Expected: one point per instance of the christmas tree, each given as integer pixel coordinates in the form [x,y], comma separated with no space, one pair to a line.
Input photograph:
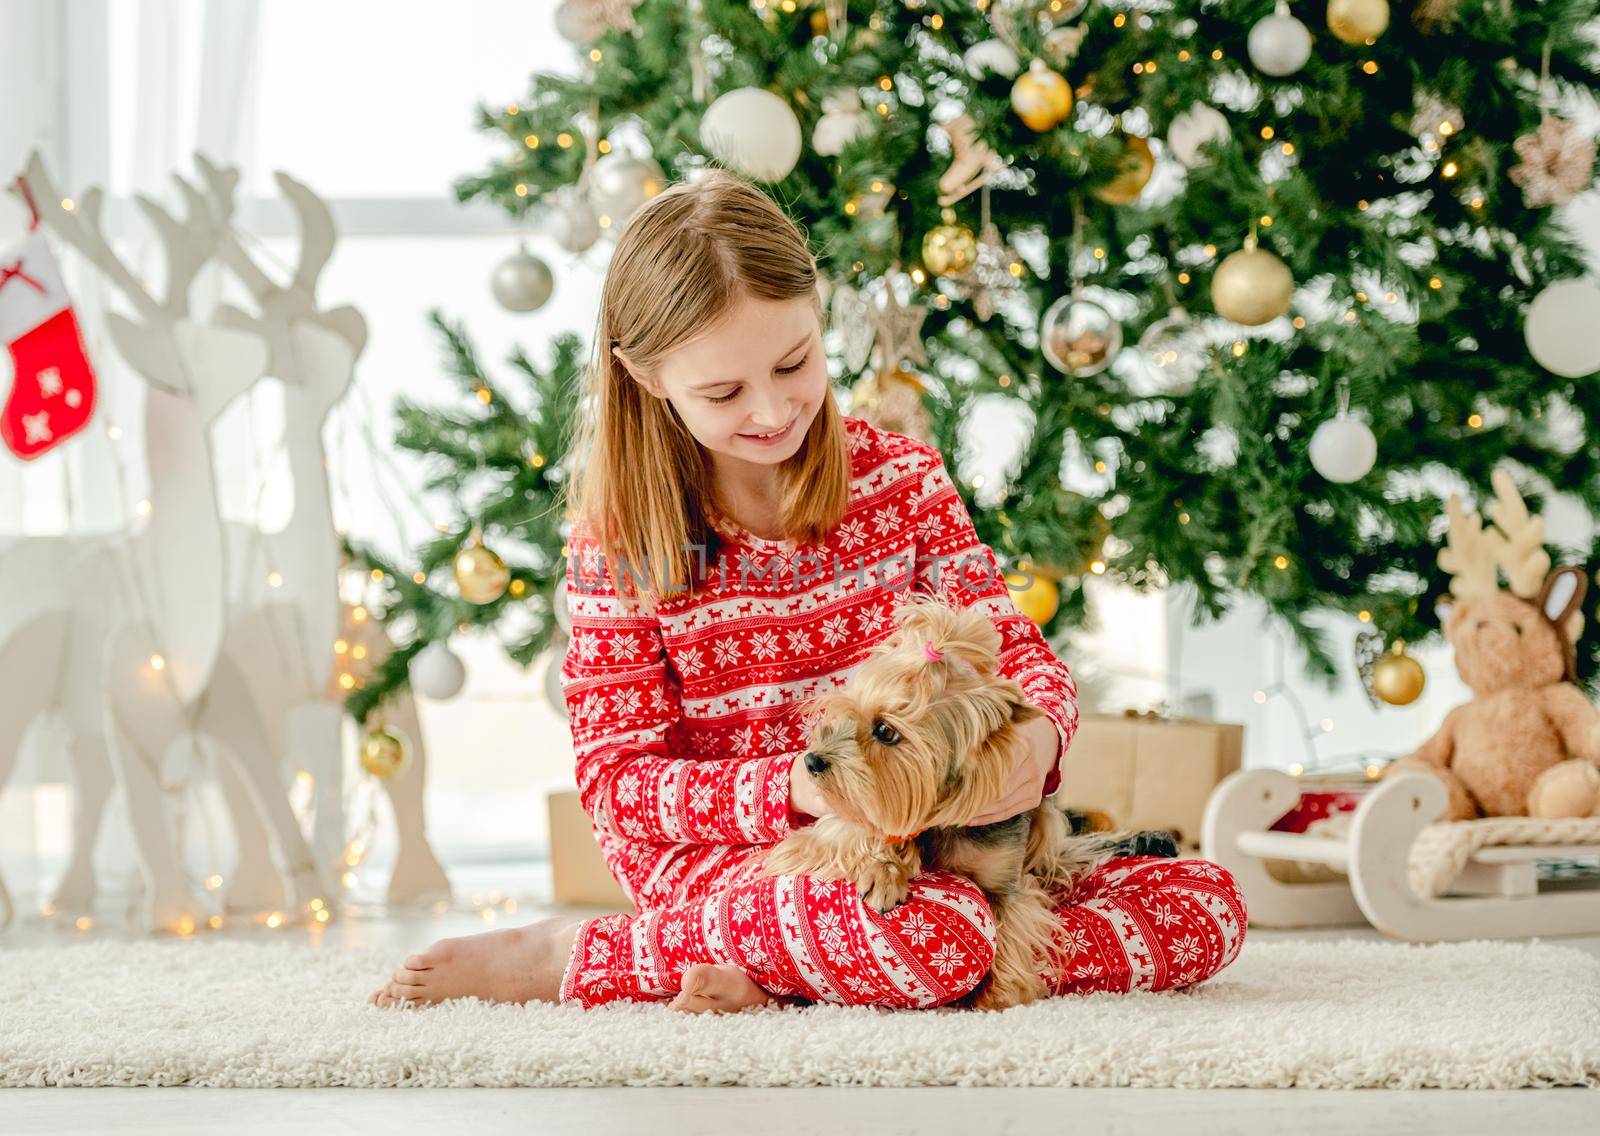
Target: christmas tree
[1265,283]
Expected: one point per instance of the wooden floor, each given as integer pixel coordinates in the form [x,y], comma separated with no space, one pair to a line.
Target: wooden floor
[767,1112]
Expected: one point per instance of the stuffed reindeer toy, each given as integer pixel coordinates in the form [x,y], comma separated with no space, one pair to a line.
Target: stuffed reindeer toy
[1528,742]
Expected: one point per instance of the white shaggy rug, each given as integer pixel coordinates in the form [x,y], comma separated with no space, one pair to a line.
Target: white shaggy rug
[1311,1014]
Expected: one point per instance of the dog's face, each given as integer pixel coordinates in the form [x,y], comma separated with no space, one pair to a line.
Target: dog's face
[913,742]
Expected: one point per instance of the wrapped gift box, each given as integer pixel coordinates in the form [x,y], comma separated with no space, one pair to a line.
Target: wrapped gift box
[1147,772]
[578,872]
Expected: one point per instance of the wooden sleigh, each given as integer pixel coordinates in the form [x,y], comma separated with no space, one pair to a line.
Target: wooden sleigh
[1496,895]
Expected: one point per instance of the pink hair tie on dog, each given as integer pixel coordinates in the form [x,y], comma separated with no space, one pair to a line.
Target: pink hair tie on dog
[933,655]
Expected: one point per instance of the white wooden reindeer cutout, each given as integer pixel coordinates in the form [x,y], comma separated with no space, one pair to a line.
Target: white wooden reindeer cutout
[135,621]
[285,586]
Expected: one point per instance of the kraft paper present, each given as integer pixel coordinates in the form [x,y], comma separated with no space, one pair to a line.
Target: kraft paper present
[1149,773]
[578,872]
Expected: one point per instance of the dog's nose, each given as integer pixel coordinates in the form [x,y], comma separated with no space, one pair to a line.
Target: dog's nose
[816,763]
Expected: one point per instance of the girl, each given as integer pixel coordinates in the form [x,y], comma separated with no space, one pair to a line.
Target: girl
[738,547]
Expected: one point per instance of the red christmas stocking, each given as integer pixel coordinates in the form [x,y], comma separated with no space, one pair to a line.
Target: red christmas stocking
[52,385]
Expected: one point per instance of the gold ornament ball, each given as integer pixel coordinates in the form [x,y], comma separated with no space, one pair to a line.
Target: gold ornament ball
[1036,596]
[1252,287]
[384,752]
[1134,168]
[819,22]
[1358,21]
[480,574]
[1041,97]
[1397,678]
[949,250]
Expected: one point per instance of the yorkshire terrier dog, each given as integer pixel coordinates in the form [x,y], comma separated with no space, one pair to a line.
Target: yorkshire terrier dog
[923,737]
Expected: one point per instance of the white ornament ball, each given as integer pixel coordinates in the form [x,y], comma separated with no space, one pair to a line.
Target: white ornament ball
[753,131]
[991,57]
[620,183]
[580,23]
[1279,44]
[842,122]
[558,601]
[437,671]
[1343,449]
[1563,328]
[522,282]
[571,220]
[1194,128]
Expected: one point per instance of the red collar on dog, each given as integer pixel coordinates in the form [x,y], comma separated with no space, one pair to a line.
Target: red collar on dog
[903,839]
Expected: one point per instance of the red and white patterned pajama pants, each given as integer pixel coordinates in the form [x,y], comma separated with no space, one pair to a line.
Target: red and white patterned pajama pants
[1134,923]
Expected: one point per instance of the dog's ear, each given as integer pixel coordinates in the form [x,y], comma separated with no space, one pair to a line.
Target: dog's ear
[956,632]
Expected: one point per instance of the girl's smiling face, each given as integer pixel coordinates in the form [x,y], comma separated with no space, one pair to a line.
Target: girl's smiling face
[761,371]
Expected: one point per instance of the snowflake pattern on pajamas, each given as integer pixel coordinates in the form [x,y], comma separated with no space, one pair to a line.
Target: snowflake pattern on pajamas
[686,722]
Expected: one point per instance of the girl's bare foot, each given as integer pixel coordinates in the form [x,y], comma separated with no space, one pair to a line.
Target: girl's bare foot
[521,964]
[720,990]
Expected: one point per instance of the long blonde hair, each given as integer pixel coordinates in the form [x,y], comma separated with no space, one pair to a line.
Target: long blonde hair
[642,483]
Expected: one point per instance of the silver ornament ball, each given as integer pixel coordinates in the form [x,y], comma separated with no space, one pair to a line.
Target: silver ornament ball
[1078,336]
[437,672]
[1343,449]
[570,220]
[522,282]
[619,184]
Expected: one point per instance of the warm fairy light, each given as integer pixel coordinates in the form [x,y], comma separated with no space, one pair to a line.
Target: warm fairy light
[977,482]
[1138,68]
[1447,128]
[1327,725]
[485,395]
[1450,169]
[850,207]
[1364,616]
[1390,296]
[522,190]
[604,220]
[1183,57]
[322,916]
[1217,54]
[1004,380]
[274,579]
[359,614]
[1099,254]
[883,109]
[1183,278]
[213,883]
[1476,203]
[1238,348]
[1183,518]
[1287,148]
[157,663]
[68,204]
[1363,205]
[317,905]
[377,573]
[604,145]
[347,681]
[512,108]
[340,646]
[304,779]
[348,879]
[1435,283]
[1015,268]
[564,140]
[1374,770]
[275,919]
[536,460]
[517,587]
[419,577]
[84,923]
[113,432]
[1361,297]
[1299,322]
[1349,317]
[214,922]
[359,652]
[1267,132]
[1098,567]
[1099,467]
[1211,250]
[1119,20]
[1474,420]
[1260,696]
[1280,562]
[1370,67]
[186,925]
[531,141]
[143,508]
[1266,220]
[918,275]
[594,55]
[936,21]
[1296,769]
[885,82]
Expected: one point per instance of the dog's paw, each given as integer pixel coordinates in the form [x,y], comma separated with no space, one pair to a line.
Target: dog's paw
[884,894]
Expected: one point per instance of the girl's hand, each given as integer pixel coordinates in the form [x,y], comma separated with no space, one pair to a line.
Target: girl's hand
[804,796]
[1035,759]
